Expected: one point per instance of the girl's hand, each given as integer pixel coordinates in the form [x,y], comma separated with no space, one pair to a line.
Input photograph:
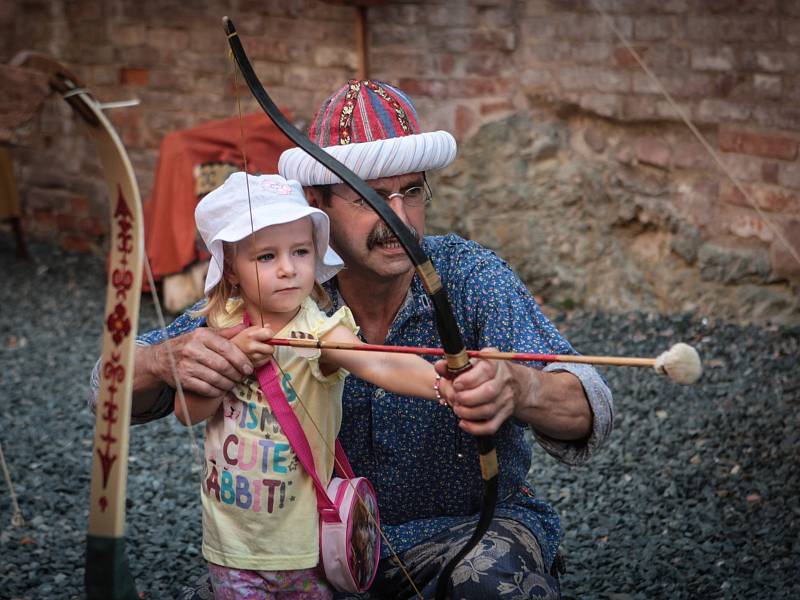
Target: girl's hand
[252,341]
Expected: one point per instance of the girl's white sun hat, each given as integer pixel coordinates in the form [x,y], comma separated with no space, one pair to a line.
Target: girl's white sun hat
[225,215]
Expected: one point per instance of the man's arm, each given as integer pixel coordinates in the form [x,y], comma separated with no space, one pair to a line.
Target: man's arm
[568,406]
[207,364]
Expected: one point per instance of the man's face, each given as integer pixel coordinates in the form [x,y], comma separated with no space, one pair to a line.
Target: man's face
[359,235]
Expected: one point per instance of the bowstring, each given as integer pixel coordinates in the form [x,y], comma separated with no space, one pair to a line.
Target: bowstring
[247,185]
[173,366]
[349,481]
[326,444]
[17,519]
[696,132]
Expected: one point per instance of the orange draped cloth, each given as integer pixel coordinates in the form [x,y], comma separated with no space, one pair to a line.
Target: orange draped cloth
[169,211]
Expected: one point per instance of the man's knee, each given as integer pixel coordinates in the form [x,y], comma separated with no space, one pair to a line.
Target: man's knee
[470,581]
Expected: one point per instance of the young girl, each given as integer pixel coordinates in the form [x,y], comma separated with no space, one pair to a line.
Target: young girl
[269,254]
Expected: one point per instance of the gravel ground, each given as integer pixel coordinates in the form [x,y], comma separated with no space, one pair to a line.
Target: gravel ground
[695,496]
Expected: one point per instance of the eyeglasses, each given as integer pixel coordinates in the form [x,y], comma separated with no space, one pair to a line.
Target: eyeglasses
[413,197]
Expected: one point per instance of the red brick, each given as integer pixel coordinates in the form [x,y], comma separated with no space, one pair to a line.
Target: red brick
[447,64]
[790,28]
[624,58]
[784,259]
[789,175]
[465,121]
[453,15]
[680,86]
[745,28]
[169,40]
[590,27]
[744,167]
[605,105]
[748,225]
[80,205]
[767,85]
[714,58]
[769,172]
[134,76]
[589,78]
[73,243]
[488,65]
[93,227]
[758,144]
[767,197]
[268,48]
[130,34]
[495,18]
[501,106]
[777,61]
[67,222]
[538,80]
[433,88]
[651,28]
[653,151]
[44,217]
[477,87]
[775,115]
[638,107]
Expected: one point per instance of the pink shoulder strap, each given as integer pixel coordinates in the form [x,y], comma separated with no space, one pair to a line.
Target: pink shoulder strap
[270,385]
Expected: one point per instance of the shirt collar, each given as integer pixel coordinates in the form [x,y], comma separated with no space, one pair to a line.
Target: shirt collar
[415,304]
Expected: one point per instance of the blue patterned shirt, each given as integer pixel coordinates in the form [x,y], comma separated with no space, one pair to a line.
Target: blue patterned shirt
[425,470]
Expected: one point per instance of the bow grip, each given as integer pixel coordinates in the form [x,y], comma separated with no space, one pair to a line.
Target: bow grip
[486,443]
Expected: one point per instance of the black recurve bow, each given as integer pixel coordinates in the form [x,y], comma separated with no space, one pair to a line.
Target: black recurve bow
[446,325]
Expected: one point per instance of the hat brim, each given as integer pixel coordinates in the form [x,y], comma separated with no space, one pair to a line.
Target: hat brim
[375,159]
[328,263]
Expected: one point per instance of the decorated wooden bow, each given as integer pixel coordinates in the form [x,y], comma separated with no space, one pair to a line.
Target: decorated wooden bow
[457,359]
[107,575]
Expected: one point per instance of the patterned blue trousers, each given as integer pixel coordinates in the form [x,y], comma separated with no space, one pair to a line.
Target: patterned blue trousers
[506,564]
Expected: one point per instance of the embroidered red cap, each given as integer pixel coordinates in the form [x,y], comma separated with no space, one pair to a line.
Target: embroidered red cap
[371,127]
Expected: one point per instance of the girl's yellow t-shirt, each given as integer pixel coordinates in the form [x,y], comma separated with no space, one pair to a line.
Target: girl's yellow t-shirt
[259,504]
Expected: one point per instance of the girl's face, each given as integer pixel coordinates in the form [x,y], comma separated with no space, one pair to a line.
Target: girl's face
[285,258]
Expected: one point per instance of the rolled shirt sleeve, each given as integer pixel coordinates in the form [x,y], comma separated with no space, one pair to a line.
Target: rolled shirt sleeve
[499,311]
[601,403]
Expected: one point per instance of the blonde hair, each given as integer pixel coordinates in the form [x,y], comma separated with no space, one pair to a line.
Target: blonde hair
[218,304]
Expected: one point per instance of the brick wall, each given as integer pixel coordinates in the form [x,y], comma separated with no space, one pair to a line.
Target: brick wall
[479,68]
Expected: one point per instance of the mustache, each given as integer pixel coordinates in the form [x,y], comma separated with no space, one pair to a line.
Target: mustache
[381,234]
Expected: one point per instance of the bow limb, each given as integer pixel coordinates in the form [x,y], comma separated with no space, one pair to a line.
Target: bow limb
[107,572]
[107,575]
[449,333]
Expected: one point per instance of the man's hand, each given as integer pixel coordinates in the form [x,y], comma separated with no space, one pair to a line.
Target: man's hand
[252,340]
[483,397]
[492,391]
[208,363]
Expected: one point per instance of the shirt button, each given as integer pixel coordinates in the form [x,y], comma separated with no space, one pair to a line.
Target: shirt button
[379,393]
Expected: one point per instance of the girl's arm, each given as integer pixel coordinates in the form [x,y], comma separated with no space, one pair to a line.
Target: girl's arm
[403,374]
[199,407]
[251,342]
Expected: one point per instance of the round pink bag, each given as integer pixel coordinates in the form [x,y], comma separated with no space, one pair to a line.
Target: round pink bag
[349,540]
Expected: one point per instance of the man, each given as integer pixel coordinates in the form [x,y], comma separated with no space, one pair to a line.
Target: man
[421,457]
